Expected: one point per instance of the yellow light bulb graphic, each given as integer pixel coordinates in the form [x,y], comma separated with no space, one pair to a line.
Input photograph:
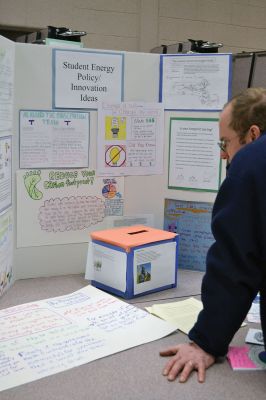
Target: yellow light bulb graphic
[115,155]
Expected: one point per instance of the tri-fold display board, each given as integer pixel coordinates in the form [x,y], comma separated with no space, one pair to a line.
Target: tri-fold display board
[91,143]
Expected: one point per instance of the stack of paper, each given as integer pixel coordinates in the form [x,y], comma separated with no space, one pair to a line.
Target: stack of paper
[182,314]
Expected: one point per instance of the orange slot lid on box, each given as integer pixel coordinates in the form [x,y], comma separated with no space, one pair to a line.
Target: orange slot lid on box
[132,236]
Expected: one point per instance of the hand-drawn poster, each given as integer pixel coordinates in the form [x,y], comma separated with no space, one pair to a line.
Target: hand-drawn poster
[53,139]
[6,251]
[192,220]
[195,81]
[82,78]
[45,337]
[63,206]
[194,156]
[5,172]
[130,139]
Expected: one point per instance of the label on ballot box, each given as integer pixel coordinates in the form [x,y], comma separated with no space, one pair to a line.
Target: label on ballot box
[132,261]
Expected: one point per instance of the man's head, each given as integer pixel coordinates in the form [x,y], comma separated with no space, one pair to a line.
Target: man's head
[242,121]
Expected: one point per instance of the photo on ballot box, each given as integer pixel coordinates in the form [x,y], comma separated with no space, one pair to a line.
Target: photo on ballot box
[143,272]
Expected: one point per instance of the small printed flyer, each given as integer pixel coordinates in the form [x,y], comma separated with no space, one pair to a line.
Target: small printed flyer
[130,140]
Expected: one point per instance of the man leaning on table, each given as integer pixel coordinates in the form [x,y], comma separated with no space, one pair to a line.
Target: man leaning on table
[236,262]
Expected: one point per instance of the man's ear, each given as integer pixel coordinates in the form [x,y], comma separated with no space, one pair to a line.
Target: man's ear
[254,132]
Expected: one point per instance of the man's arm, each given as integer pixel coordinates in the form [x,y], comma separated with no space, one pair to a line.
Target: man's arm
[233,272]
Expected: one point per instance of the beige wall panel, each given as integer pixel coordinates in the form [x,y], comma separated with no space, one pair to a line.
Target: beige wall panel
[61,14]
[110,42]
[101,22]
[191,30]
[186,9]
[44,13]
[214,11]
[149,30]
[256,38]
[173,29]
[12,12]
[259,3]
[249,16]
[229,34]
[131,6]
[180,30]
[234,49]
[242,2]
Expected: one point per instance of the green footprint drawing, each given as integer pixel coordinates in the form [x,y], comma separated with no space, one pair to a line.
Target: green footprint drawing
[31,179]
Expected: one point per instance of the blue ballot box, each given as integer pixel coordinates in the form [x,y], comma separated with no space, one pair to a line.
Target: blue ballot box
[133,261]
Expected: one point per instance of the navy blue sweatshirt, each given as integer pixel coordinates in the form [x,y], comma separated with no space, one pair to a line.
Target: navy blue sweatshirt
[236,262]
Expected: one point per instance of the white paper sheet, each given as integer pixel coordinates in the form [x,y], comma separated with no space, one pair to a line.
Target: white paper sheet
[49,336]
[254,312]
[107,266]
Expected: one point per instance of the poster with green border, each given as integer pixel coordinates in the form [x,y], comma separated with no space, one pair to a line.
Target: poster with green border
[194,157]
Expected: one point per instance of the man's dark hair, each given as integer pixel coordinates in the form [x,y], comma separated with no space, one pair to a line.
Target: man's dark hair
[248,108]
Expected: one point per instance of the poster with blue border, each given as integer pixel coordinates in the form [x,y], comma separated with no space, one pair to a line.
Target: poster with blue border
[195,82]
[54,139]
[192,220]
[81,79]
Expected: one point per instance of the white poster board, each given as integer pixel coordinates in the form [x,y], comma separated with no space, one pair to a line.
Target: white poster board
[46,337]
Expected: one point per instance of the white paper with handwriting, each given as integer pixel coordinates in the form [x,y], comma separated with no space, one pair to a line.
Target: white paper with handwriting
[49,336]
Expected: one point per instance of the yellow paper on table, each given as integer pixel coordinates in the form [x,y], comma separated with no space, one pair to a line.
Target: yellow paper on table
[182,314]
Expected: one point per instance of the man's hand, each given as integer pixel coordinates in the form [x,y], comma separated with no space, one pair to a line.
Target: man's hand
[187,357]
